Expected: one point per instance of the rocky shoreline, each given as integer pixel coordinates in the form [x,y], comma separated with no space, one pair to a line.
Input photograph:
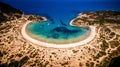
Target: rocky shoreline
[15,51]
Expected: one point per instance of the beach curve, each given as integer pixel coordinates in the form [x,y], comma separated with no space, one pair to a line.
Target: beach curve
[35,41]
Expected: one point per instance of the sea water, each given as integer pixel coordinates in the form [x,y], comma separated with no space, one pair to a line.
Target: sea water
[59,14]
[62,10]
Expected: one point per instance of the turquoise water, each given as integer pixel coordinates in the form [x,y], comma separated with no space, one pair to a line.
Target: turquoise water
[54,31]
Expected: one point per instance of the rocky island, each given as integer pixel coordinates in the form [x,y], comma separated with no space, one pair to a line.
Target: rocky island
[15,51]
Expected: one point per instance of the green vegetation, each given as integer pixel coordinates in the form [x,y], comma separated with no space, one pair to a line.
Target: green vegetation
[118,48]
[34,17]
[53,53]
[115,53]
[80,64]
[19,55]
[23,60]
[33,54]
[75,51]
[107,30]
[104,45]
[84,19]
[2,17]
[105,62]
[90,64]
[14,63]
[1,54]
[113,21]
[65,63]
[100,54]
[101,20]
[114,44]
[108,16]
[101,17]
[112,34]
[11,57]
[46,63]
[108,59]
[75,20]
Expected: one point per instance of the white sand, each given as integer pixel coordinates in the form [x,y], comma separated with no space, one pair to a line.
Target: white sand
[88,39]
[71,22]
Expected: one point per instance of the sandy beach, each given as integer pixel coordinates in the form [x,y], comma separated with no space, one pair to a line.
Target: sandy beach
[71,22]
[35,41]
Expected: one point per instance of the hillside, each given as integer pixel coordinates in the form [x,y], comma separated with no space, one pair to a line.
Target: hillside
[99,17]
[8,13]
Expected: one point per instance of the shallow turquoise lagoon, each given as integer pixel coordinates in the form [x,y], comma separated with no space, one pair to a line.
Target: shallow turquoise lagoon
[48,30]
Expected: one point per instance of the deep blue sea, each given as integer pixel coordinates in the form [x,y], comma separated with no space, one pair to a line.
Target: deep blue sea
[62,10]
[59,13]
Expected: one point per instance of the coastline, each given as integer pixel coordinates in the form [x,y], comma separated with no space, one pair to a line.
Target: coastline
[88,39]
[16,51]
[71,22]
